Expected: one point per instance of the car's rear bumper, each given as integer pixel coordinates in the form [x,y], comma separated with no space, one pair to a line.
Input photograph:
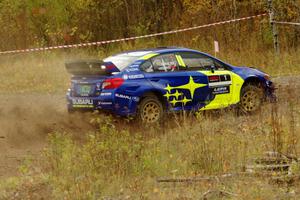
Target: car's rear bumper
[89,103]
[107,101]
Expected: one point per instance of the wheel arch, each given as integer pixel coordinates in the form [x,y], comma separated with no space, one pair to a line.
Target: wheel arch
[155,93]
[253,80]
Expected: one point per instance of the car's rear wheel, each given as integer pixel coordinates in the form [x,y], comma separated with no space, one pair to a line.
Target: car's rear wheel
[251,98]
[150,110]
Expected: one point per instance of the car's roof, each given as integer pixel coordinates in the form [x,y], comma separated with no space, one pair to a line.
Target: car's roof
[161,50]
[158,50]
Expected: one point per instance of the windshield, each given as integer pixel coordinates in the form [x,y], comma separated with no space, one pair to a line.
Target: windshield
[121,61]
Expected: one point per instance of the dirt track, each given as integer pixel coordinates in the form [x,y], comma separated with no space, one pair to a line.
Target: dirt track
[26,120]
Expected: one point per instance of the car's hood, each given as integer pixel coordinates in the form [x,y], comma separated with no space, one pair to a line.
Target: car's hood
[244,71]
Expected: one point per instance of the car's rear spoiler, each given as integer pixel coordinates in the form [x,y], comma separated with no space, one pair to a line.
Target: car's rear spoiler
[90,67]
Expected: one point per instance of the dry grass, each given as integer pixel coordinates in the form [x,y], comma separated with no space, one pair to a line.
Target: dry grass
[123,163]
[44,72]
[121,160]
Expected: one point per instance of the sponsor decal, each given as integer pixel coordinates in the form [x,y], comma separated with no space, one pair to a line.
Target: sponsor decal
[105,94]
[123,96]
[225,77]
[221,90]
[81,82]
[101,103]
[136,76]
[132,69]
[83,106]
[82,101]
[213,79]
[219,84]
[219,80]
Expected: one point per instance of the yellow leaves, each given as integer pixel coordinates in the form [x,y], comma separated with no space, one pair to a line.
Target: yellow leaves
[196,5]
[155,190]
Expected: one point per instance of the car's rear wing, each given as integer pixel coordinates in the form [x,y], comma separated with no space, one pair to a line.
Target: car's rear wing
[90,67]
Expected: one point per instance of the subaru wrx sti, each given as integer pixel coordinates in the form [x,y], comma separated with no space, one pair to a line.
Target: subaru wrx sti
[148,84]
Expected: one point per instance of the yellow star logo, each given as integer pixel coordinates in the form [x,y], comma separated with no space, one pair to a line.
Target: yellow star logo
[169,88]
[167,95]
[191,86]
[174,101]
[177,94]
[185,101]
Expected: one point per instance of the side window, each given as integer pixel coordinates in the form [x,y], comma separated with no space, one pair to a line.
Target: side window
[147,66]
[195,61]
[163,63]
[220,66]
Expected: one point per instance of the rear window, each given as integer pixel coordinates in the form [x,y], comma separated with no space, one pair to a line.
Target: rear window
[121,61]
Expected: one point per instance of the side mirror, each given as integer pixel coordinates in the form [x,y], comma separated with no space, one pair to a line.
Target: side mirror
[213,69]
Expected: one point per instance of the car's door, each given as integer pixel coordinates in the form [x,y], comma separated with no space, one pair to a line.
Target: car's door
[204,69]
[170,78]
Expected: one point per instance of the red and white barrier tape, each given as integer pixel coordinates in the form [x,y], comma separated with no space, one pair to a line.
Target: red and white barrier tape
[129,38]
[287,23]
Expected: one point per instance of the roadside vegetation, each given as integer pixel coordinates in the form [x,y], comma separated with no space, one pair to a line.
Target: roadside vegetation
[120,159]
[34,24]
[45,72]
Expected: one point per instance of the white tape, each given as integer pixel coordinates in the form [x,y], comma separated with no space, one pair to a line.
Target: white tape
[130,38]
[287,23]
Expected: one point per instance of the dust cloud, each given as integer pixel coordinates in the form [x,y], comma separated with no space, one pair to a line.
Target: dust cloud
[27,120]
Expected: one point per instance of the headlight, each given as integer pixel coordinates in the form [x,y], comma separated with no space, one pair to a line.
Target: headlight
[267,77]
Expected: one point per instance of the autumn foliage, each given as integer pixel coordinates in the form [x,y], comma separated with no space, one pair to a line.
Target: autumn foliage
[35,23]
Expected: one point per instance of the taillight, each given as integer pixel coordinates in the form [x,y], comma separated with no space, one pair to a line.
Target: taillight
[112,83]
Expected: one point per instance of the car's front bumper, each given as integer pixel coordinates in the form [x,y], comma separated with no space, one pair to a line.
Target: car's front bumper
[270,91]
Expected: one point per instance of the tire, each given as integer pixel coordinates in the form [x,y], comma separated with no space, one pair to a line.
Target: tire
[150,110]
[251,99]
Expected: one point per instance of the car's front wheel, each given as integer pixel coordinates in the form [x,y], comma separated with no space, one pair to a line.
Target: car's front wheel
[150,110]
[251,98]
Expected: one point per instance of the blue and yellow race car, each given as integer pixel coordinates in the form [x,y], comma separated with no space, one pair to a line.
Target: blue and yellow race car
[149,83]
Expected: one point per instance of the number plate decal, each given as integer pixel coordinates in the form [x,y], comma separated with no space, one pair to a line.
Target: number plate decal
[85,90]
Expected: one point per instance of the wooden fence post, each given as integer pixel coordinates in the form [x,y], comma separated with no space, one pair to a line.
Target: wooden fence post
[273,26]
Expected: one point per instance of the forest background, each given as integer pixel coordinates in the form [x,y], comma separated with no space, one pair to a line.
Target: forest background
[34,23]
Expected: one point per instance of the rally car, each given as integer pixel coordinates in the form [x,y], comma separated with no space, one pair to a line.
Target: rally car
[148,84]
